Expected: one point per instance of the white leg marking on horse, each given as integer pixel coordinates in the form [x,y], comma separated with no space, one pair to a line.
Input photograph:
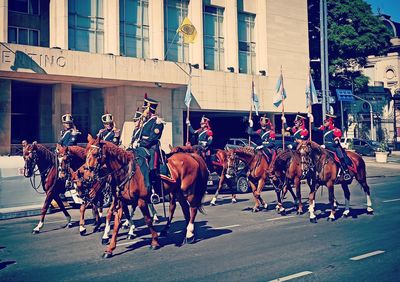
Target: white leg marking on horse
[125,224]
[234,201]
[213,201]
[367,255]
[39,226]
[293,276]
[81,228]
[332,215]
[189,230]
[265,205]
[369,202]
[106,230]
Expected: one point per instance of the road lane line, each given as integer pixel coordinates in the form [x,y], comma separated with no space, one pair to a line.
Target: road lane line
[293,276]
[393,200]
[129,243]
[367,255]
[280,218]
[228,226]
[56,221]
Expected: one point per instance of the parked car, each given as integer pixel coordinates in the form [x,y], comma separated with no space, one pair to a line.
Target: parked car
[238,142]
[364,147]
[279,141]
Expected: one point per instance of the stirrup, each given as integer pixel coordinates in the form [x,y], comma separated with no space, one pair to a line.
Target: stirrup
[346,176]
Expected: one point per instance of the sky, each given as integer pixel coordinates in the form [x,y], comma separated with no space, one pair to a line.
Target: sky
[388,7]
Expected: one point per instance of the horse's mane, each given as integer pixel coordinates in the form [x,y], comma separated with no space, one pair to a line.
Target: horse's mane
[78,151]
[244,151]
[117,152]
[48,155]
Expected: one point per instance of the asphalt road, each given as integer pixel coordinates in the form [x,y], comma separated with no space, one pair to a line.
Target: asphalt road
[232,244]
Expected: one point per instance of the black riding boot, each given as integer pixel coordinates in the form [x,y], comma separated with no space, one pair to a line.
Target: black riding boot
[346,173]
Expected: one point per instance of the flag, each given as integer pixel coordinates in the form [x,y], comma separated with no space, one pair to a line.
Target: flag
[280,94]
[188,96]
[254,98]
[188,30]
[311,93]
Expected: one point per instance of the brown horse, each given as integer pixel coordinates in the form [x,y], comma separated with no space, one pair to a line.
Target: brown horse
[70,159]
[218,167]
[129,180]
[257,174]
[326,170]
[290,167]
[38,155]
[187,184]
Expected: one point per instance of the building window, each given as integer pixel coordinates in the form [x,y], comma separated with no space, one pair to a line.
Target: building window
[174,13]
[247,44]
[86,25]
[213,38]
[134,28]
[24,6]
[24,36]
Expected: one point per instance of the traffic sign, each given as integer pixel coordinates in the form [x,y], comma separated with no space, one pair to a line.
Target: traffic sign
[344,95]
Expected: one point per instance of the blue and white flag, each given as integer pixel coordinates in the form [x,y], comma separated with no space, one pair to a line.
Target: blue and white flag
[188,96]
[254,98]
[311,93]
[280,94]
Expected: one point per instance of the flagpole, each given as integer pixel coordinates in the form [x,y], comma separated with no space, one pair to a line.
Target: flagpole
[283,115]
[188,106]
[251,105]
[309,104]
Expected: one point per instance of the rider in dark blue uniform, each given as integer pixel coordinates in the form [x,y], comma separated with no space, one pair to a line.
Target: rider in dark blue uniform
[267,135]
[204,133]
[69,134]
[109,132]
[137,119]
[332,136]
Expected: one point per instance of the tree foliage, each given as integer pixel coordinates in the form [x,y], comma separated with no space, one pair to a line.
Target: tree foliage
[354,33]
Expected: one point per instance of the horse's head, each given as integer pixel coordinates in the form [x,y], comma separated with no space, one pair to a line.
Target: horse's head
[94,159]
[64,159]
[231,163]
[304,148]
[30,157]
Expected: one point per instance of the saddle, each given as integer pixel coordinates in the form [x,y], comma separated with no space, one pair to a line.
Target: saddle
[273,154]
[216,161]
[349,163]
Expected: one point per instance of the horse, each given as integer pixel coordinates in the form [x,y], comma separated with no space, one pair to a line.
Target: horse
[326,173]
[257,174]
[38,155]
[187,184]
[290,167]
[130,186]
[219,167]
[70,159]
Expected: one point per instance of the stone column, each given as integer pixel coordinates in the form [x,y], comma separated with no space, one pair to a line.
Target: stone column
[5,116]
[111,27]
[59,24]
[196,17]
[156,29]
[231,44]
[114,103]
[260,30]
[3,20]
[62,104]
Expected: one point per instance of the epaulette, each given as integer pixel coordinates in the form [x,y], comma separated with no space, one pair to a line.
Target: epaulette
[160,121]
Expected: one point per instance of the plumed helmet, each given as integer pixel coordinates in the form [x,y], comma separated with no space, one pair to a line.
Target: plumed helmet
[330,118]
[107,118]
[299,119]
[150,104]
[265,120]
[67,118]
[205,120]
[138,115]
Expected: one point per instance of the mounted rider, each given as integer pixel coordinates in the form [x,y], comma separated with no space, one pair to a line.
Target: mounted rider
[204,134]
[298,131]
[267,135]
[332,136]
[69,133]
[109,132]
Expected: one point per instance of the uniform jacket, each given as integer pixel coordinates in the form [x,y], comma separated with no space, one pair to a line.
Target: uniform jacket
[68,137]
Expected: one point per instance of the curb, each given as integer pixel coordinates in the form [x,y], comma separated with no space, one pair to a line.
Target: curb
[24,211]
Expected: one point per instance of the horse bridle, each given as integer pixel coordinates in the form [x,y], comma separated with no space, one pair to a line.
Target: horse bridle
[95,169]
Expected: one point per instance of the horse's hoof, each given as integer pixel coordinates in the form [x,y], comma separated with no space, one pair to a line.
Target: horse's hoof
[164,233]
[190,240]
[346,213]
[35,231]
[154,247]
[370,210]
[106,255]
[283,213]
[330,219]
[68,225]
[96,229]
[104,241]
[130,236]
[83,232]
[234,201]
[313,220]
[254,210]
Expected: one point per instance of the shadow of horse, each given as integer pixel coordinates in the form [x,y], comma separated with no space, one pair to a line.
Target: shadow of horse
[325,211]
[4,264]
[176,235]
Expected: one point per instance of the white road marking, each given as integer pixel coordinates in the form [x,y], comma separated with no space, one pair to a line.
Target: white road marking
[393,200]
[228,226]
[293,276]
[367,255]
[56,221]
[280,218]
[129,243]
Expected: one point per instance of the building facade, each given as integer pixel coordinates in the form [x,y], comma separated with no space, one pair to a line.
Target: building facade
[94,56]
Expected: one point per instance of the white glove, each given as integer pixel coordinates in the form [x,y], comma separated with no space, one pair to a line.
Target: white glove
[259,147]
[311,117]
[323,146]
[188,122]
[135,144]
[290,146]
[283,119]
[251,123]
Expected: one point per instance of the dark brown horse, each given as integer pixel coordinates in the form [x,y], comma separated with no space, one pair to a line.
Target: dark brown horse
[290,168]
[130,186]
[38,155]
[257,174]
[218,165]
[187,184]
[70,159]
[326,169]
